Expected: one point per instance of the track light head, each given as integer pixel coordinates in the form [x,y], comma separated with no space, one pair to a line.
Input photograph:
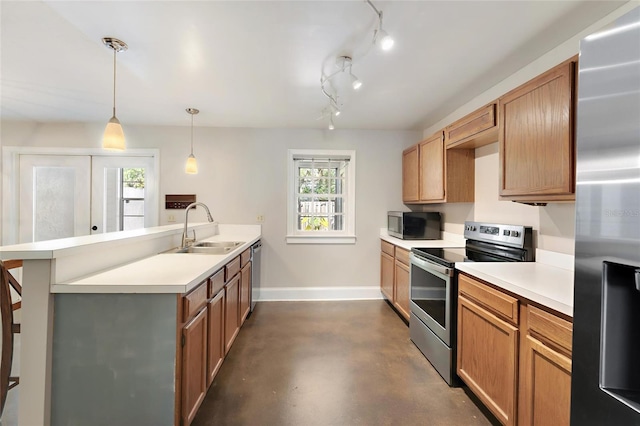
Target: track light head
[384,40]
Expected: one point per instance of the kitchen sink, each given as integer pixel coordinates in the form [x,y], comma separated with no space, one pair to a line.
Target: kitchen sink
[217,244]
[208,247]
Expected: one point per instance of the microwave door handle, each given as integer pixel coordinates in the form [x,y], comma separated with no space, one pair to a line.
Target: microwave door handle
[431,266]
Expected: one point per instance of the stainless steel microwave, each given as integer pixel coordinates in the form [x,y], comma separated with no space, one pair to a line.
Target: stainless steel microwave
[414,225]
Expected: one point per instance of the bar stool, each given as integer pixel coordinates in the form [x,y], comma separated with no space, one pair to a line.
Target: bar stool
[9,328]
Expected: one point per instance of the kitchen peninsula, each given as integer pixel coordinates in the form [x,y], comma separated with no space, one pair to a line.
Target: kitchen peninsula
[101,320]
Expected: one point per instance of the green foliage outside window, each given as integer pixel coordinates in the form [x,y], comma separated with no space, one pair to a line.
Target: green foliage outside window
[133,178]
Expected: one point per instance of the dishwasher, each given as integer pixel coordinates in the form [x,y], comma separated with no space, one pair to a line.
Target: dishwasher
[256,248]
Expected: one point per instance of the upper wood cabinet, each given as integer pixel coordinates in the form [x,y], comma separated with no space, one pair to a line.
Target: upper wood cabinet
[474,130]
[431,181]
[432,175]
[410,175]
[536,136]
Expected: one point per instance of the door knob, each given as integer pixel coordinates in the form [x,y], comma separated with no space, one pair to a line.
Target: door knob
[94,228]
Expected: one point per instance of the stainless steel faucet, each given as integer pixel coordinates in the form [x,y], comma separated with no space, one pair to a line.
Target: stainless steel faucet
[186,221]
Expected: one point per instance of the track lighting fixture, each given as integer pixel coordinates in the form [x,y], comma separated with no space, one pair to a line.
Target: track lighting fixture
[191,167]
[331,126]
[344,64]
[380,36]
[113,138]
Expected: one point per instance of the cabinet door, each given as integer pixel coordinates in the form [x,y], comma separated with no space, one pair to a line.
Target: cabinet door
[537,138]
[231,316]
[487,358]
[474,130]
[410,175]
[386,276]
[215,341]
[245,292]
[548,396]
[432,168]
[401,291]
[194,365]
[545,369]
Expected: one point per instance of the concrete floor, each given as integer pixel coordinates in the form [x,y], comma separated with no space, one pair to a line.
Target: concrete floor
[331,363]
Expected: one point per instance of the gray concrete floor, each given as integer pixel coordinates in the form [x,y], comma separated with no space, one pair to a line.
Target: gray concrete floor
[331,363]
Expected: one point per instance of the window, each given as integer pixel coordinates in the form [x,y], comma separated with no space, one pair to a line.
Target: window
[321,205]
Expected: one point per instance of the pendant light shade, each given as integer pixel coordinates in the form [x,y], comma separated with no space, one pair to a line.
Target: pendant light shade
[191,167]
[113,138]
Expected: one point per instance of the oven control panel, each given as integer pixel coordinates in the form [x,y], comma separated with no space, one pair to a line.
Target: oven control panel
[510,235]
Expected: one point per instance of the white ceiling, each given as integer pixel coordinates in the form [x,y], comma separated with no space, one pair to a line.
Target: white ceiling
[258,64]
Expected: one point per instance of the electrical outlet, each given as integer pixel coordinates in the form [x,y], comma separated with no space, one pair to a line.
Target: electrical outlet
[260,218]
[171,218]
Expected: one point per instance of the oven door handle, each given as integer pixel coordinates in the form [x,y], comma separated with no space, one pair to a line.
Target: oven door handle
[430,266]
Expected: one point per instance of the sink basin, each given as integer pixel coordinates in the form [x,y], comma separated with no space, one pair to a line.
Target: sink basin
[202,250]
[225,244]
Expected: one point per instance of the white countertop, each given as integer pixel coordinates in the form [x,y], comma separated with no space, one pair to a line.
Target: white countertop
[162,273]
[448,241]
[548,285]
[52,249]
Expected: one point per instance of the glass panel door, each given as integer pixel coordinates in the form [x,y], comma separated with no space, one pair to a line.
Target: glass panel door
[54,197]
[123,194]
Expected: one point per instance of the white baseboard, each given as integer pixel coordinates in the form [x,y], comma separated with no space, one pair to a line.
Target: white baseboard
[272,294]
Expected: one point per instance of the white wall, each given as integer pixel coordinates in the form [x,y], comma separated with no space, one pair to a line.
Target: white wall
[554,224]
[243,173]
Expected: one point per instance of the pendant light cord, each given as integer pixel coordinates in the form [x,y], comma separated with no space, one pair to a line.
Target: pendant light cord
[191,134]
[114,81]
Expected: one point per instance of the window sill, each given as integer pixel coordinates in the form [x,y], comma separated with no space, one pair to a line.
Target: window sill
[321,239]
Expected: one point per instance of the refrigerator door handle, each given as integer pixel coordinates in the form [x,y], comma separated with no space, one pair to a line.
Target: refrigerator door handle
[637,273]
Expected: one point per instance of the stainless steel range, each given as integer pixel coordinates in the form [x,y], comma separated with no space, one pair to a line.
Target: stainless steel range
[434,286]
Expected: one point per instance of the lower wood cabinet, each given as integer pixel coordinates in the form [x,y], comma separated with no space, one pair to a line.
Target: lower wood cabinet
[232,311]
[387,271]
[209,319]
[487,358]
[394,276]
[216,344]
[516,357]
[401,290]
[545,370]
[194,365]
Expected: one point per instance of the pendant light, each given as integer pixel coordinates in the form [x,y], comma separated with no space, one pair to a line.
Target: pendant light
[113,138]
[191,167]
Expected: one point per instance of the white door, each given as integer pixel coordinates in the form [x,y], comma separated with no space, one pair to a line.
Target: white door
[55,196]
[122,193]
[63,196]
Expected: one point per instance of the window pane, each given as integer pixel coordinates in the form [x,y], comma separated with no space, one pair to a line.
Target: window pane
[305,186]
[313,223]
[132,223]
[133,207]
[53,202]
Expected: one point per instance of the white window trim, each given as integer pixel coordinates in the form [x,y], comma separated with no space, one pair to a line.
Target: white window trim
[348,235]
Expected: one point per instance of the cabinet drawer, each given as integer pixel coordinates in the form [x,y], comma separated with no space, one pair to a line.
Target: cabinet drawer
[474,130]
[194,301]
[216,283]
[402,255]
[506,307]
[387,248]
[245,257]
[232,268]
[547,327]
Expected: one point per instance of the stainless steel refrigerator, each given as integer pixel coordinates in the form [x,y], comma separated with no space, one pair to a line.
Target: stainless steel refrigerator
[606,336]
